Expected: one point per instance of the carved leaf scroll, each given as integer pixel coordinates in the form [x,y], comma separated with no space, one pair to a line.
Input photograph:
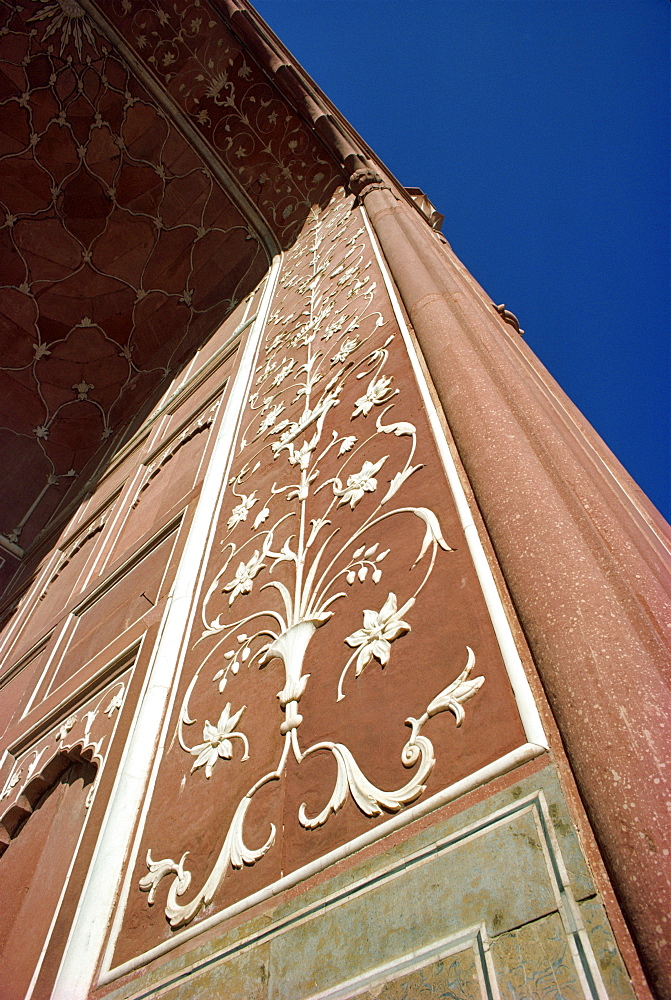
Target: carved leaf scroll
[292,551]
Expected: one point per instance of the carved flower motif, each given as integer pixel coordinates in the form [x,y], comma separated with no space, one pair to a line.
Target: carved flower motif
[269,368]
[116,702]
[270,417]
[333,328]
[65,727]
[242,582]
[217,741]
[240,512]
[360,483]
[378,391]
[284,371]
[82,389]
[380,628]
[346,349]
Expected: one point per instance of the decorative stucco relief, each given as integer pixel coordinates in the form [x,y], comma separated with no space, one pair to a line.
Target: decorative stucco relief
[323,535]
[83,733]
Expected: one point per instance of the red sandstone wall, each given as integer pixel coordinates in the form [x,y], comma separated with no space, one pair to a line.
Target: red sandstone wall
[338,538]
[75,653]
[339,575]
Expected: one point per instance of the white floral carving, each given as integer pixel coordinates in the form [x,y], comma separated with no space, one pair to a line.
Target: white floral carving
[347,348]
[360,483]
[295,529]
[217,741]
[116,702]
[378,391]
[452,698]
[243,580]
[270,418]
[240,512]
[284,371]
[65,727]
[380,628]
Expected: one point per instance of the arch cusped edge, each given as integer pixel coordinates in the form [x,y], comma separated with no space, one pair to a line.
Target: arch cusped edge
[14,817]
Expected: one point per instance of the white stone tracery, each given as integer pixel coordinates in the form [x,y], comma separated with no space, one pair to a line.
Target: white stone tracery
[292,524]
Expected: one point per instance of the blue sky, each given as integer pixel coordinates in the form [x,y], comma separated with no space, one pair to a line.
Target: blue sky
[541,130]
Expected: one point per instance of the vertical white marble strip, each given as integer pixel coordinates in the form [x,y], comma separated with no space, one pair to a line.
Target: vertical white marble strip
[96,904]
[127,675]
[526,704]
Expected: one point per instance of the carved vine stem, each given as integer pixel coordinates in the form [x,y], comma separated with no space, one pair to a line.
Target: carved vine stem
[318,561]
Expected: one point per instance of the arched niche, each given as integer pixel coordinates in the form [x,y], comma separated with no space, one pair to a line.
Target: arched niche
[39,837]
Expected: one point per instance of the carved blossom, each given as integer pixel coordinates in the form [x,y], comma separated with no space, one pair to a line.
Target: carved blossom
[358,484]
[242,582]
[217,741]
[380,628]
[270,418]
[378,391]
[240,512]
[345,350]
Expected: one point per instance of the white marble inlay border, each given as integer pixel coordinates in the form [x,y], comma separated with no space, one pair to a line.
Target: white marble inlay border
[143,750]
[473,938]
[526,704]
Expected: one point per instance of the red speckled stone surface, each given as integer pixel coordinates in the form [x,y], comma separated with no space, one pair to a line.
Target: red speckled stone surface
[586,556]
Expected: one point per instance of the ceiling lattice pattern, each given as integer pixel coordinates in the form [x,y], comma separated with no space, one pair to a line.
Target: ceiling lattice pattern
[120,253]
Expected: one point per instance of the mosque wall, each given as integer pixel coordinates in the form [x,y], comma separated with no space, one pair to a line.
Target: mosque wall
[272,717]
